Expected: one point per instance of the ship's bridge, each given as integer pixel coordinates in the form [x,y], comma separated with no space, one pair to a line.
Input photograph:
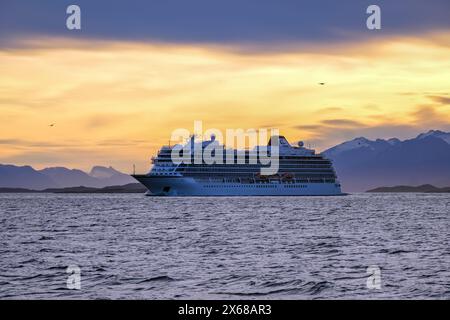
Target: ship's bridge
[285,148]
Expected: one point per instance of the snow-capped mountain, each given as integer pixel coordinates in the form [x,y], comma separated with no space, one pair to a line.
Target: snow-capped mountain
[110,176]
[363,164]
[103,172]
[436,134]
[349,145]
[381,144]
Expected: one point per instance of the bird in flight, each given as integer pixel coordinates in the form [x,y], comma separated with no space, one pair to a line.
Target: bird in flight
[51,125]
[322,83]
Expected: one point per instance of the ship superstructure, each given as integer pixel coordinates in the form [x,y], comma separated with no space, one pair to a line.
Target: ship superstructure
[300,171]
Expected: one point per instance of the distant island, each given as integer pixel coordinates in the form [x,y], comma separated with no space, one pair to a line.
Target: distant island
[127,188]
[425,188]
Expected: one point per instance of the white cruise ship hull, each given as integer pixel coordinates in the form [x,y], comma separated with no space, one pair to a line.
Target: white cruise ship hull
[186,186]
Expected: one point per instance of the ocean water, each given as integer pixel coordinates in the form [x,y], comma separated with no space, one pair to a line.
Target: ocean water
[137,247]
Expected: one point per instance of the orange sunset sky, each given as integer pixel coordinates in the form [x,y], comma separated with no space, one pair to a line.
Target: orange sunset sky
[115,101]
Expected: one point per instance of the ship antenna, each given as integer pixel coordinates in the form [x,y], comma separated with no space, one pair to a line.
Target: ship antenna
[134,169]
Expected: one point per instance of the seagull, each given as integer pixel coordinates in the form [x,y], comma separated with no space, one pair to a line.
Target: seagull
[322,83]
[51,125]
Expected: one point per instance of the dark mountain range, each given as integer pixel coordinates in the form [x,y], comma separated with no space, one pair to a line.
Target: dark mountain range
[24,177]
[363,164]
[59,177]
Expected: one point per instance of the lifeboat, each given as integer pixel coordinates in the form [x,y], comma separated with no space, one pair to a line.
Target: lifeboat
[287,176]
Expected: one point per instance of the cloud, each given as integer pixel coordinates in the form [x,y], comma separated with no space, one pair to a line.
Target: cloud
[328,126]
[330,109]
[9,141]
[82,155]
[228,22]
[271,125]
[342,123]
[333,131]
[29,144]
[100,120]
[309,127]
[128,142]
[440,99]
[89,88]
[429,116]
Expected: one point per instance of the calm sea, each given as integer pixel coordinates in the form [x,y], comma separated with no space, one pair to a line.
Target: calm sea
[137,247]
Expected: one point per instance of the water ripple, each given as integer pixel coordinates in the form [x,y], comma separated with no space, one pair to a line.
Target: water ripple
[131,246]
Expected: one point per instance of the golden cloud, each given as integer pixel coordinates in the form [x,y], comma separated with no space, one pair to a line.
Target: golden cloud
[113,91]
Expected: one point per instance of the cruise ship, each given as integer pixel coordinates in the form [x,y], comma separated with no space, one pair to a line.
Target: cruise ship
[300,172]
